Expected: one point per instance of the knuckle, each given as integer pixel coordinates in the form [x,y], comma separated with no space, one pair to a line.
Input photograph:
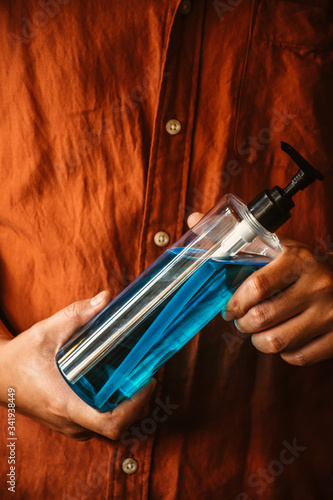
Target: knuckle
[72,311]
[325,283]
[260,315]
[304,254]
[113,430]
[115,434]
[260,284]
[290,276]
[295,256]
[274,343]
[298,359]
[235,307]
[307,260]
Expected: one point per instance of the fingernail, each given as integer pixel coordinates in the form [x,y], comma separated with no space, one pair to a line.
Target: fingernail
[227,316]
[97,299]
[238,328]
[253,340]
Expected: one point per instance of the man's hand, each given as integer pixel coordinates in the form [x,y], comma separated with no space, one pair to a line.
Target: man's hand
[287,306]
[27,363]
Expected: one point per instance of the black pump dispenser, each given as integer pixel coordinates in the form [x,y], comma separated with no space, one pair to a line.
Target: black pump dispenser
[272,207]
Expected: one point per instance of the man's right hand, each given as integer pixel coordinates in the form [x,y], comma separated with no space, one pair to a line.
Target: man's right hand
[27,363]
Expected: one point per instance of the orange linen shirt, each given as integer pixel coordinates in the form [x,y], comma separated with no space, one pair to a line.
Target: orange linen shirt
[89,174]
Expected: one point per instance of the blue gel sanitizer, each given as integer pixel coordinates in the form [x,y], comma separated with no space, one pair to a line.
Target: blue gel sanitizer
[119,350]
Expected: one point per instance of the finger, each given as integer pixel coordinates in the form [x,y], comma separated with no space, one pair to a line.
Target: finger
[113,424]
[194,218]
[136,407]
[261,285]
[317,350]
[291,334]
[80,434]
[75,431]
[270,312]
[85,436]
[64,323]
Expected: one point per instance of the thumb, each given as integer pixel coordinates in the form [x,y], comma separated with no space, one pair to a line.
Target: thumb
[194,218]
[64,323]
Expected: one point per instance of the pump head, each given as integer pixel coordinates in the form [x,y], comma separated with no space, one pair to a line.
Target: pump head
[272,207]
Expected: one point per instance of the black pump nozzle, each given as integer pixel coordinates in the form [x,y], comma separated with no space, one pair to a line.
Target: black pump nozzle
[272,207]
[306,174]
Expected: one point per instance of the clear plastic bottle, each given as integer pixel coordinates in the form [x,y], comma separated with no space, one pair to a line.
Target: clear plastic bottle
[119,350]
[190,283]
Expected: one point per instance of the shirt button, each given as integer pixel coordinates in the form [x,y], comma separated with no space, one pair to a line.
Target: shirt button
[161,239]
[185,7]
[173,127]
[130,465]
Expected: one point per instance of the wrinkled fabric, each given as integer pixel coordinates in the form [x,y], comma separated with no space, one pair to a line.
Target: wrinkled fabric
[89,175]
